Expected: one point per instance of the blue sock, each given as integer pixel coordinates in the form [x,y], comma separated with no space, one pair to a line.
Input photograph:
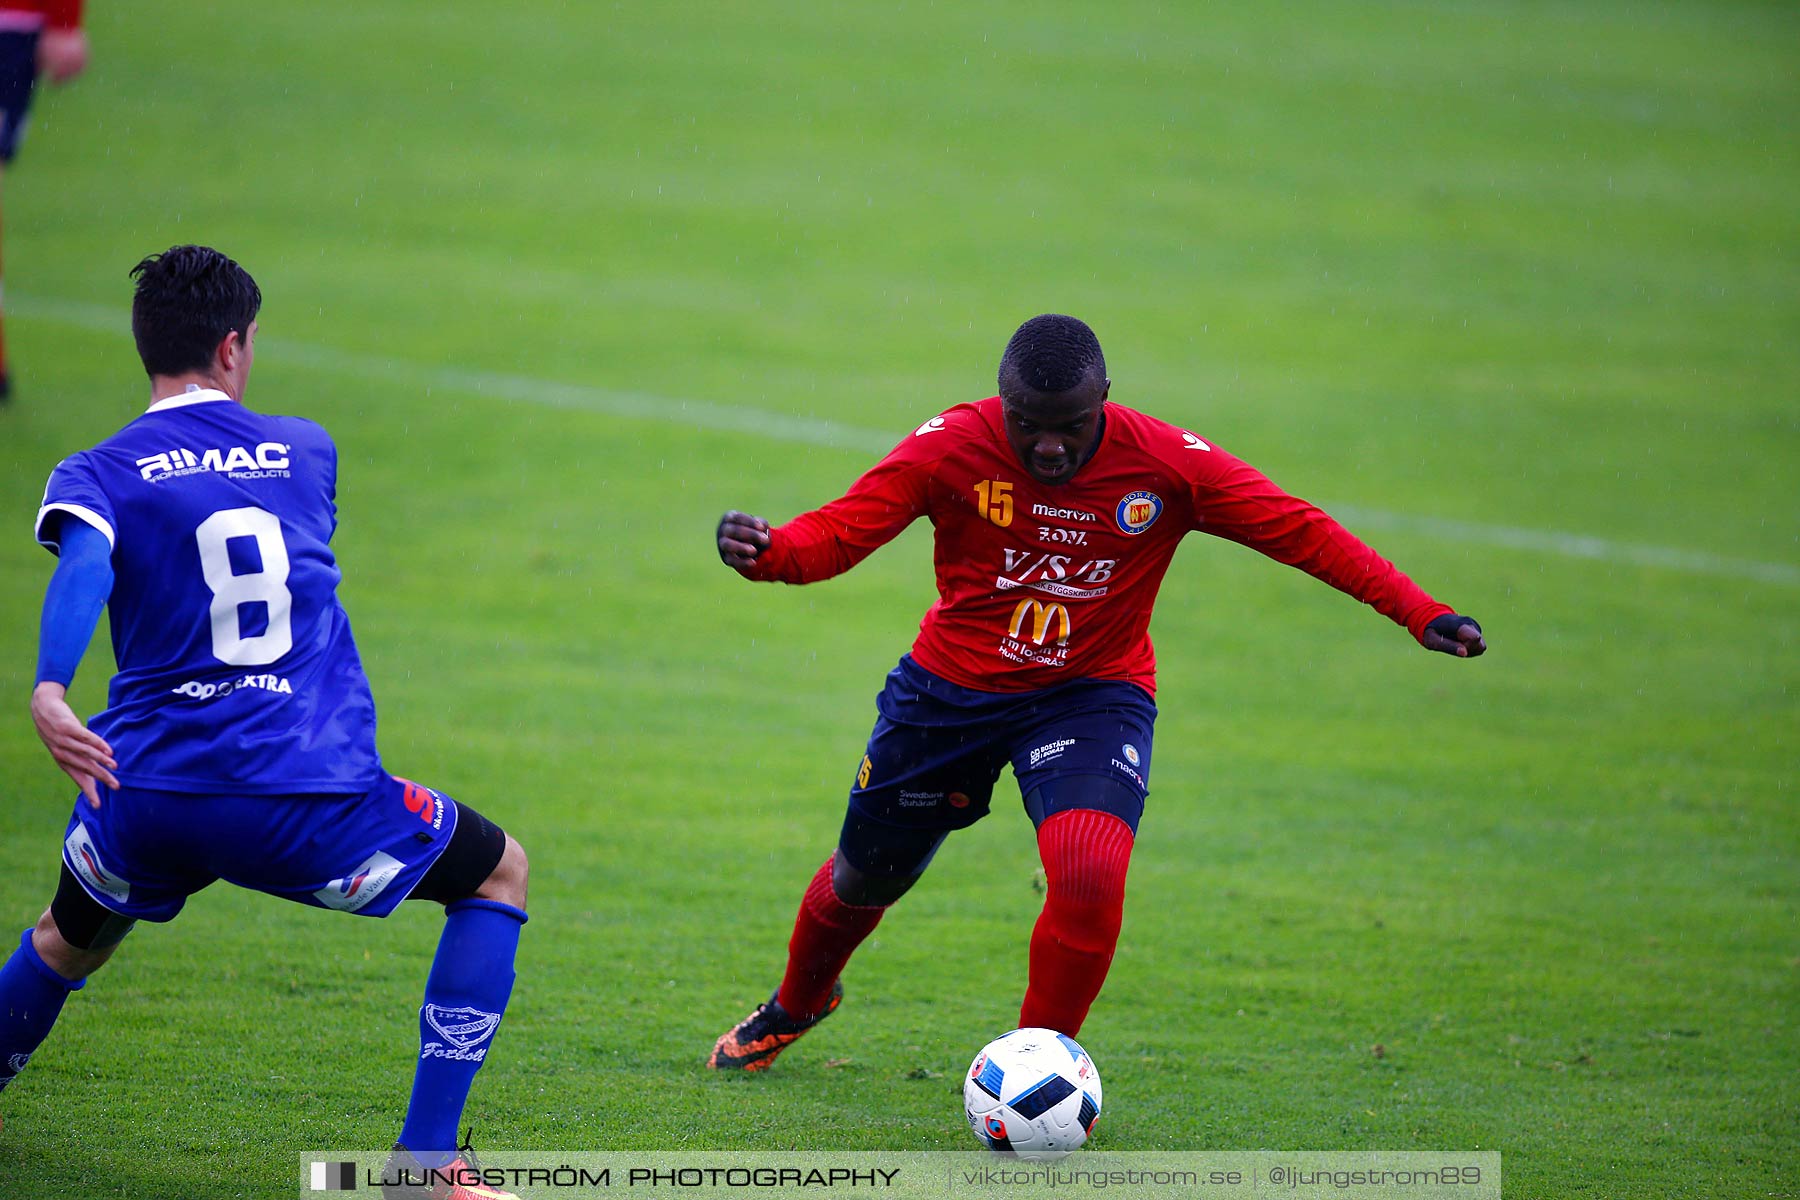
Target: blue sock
[465,996]
[31,995]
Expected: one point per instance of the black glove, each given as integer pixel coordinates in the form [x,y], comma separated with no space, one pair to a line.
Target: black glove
[1449,639]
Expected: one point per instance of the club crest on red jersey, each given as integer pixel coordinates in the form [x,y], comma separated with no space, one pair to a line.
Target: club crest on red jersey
[1138,511]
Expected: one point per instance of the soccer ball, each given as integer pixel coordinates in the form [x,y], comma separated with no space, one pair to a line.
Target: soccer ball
[1032,1093]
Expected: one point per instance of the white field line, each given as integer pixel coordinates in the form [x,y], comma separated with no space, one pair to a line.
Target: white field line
[700,414]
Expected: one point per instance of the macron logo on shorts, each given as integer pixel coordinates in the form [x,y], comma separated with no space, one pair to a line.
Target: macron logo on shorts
[84,860]
[355,891]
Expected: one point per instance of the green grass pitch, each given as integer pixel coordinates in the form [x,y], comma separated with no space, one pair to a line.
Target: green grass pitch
[1510,285]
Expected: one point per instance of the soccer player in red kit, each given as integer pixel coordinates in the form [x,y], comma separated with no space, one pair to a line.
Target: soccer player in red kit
[37,37]
[1056,516]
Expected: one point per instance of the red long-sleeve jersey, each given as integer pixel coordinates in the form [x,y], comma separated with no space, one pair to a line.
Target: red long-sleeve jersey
[40,14]
[1039,585]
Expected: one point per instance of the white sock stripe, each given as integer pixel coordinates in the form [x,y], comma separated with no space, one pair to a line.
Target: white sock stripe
[701,414]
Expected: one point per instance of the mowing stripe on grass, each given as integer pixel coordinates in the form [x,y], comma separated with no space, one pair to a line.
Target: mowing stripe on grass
[699,414]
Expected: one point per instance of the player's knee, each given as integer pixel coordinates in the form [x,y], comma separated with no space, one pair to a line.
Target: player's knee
[1086,855]
[1087,880]
[60,955]
[508,880]
[862,890]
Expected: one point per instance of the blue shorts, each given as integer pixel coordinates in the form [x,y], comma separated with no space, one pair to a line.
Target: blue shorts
[142,853]
[938,749]
[18,74]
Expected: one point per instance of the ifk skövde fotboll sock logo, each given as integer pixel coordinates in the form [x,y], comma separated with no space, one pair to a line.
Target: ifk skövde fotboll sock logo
[466,1029]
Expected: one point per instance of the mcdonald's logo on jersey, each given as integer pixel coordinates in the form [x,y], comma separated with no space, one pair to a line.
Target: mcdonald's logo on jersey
[1045,619]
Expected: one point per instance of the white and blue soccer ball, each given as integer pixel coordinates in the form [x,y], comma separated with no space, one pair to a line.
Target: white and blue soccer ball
[1032,1093]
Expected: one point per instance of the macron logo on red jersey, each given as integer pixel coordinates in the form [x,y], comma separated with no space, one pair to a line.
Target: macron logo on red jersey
[931,426]
[1063,514]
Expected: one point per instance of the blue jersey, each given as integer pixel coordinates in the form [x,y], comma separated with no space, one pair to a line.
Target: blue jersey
[236,668]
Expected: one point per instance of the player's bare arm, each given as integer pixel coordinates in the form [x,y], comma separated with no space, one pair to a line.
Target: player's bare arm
[82,754]
[742,538]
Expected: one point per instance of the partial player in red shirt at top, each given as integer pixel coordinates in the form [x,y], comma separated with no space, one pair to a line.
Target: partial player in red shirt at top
[36,36]
[1056,515]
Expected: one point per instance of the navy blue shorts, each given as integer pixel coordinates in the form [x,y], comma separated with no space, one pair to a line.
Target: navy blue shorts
[938,749]
[142,853]
[18,74]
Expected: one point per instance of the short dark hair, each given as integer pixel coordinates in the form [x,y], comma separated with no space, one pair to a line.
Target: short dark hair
[1050,354]
[188,298]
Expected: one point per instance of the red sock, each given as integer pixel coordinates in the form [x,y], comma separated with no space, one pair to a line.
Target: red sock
[826,933]
[1086,854]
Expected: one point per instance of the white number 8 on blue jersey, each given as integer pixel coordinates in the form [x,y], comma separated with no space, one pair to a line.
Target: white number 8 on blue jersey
[267,586]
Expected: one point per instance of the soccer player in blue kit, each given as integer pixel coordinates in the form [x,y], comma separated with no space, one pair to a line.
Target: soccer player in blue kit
[238,740]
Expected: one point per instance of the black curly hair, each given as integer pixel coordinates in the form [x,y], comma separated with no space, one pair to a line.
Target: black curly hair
[1050,354]
[187,299]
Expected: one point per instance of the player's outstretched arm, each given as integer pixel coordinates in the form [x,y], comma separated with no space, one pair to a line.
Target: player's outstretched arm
[742,539]
[72,603]
[1454,634]
[1234,500]
[833,538]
